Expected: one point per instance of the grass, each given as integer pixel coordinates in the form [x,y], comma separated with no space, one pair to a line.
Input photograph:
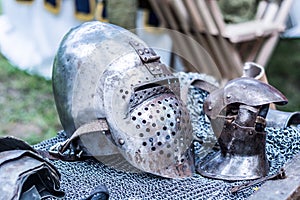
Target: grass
[27,105]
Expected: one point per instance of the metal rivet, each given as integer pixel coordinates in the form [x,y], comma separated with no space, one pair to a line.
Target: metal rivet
[228,96]
[141,52]
[146,51]
[209,108]
[121,141]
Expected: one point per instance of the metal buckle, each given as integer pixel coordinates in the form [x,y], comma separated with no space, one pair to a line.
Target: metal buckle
[63,151]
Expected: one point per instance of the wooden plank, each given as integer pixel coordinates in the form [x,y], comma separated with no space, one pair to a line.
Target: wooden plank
[249,30]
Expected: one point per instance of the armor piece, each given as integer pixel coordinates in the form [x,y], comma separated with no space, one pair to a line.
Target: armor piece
[24,174]
[254,70]
[104,74]
[282,119]
[237,113]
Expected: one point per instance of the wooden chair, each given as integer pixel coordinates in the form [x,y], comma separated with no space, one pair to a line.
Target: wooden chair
[229,45]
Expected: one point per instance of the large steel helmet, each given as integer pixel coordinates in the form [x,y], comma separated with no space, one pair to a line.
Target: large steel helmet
[102,71]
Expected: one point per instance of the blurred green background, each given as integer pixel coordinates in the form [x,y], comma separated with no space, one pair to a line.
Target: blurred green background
[28,110]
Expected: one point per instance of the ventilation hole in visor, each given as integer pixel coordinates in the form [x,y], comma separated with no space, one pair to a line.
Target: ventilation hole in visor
[144,143]
[144,121]
[148,130]
[141,135]
[153,148]
[158,133]
[161,152]
[133,118]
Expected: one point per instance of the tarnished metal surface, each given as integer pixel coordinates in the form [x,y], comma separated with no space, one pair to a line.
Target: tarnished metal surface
[237,114]
[83,56]
[282,119]
[104,71]
[242,154]
[243,90]
[23,173]
[254,70]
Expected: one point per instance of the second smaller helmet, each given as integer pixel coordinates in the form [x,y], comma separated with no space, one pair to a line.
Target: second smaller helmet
[238,117]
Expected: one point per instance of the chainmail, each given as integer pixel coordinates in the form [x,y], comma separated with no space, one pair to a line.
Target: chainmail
[81,177]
